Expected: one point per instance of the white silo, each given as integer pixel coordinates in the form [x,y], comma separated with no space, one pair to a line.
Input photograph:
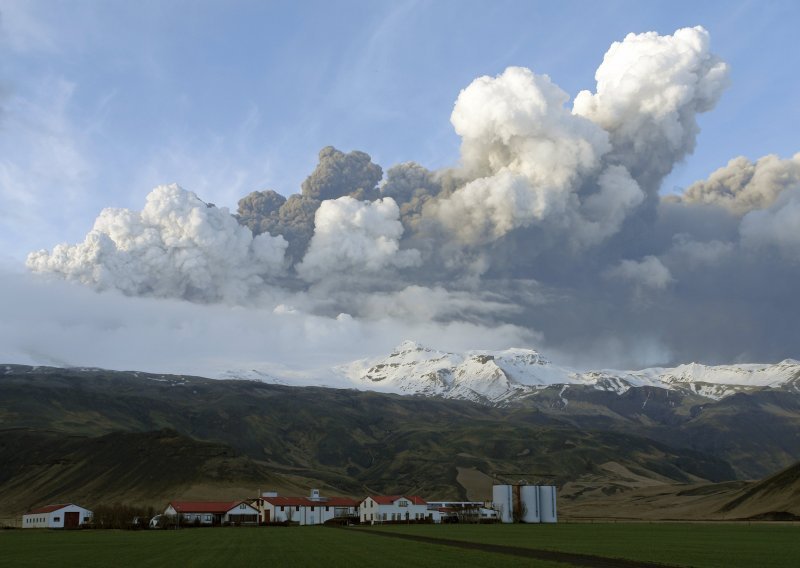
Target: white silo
[502,499]
[530,499]
[547,503]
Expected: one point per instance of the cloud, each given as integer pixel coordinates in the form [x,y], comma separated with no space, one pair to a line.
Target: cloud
[649,90]
[646,273]
[176,247]
[549,232]
[54,322]
[355,236]
[744,186]
[775,227]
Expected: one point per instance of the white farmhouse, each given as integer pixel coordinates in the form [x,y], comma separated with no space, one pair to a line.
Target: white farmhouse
[313,510]
[213,512]
[66,516]
[387,508]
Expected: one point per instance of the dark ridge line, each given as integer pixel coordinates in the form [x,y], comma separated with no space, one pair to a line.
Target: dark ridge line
[575,559]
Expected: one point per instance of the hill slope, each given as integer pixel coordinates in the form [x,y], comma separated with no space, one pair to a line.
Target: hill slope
[342,441]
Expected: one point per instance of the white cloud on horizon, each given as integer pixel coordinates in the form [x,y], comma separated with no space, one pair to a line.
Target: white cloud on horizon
[52,322]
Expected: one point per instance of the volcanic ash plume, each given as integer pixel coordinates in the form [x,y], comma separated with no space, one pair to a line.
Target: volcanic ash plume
[551,221]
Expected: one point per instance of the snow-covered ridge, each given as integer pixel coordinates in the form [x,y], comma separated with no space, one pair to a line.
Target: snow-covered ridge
[499,376]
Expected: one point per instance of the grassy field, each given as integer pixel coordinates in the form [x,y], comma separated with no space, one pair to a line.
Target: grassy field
[696,545]
[683,544]
[275,546]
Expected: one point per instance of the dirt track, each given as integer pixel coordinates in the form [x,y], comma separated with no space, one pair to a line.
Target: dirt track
[588,560]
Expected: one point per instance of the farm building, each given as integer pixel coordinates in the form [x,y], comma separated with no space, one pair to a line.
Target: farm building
[312,510]
[213,512]
[464,511]
[65,516]
[385,508]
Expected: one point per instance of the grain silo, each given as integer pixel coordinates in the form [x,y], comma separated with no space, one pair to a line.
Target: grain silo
[503,502]
[530,500]
[547,503]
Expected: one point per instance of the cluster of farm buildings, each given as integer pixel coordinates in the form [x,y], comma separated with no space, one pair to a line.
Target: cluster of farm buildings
[511,503]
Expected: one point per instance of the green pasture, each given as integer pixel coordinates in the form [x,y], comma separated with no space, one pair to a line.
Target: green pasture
[214,547]
[700,545]
[678,544]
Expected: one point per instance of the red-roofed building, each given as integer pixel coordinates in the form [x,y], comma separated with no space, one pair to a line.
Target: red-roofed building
[313,510]
[213,512]
[394,508]
[64,516]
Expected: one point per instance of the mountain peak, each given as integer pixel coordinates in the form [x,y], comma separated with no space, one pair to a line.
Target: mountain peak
[410,345]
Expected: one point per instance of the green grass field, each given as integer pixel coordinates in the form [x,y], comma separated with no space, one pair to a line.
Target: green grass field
[684,544]
[696,545]
[243,547]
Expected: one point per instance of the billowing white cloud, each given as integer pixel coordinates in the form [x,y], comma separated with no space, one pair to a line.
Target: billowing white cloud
[517,122]
[649,89]
[176,247]
[533,162]
[355,236]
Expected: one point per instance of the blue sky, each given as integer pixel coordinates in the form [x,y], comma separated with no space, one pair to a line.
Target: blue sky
[101,101]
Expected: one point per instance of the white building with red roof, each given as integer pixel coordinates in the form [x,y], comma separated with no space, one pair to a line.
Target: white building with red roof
[312,510]
[64,516]
[213,512]
[394,508]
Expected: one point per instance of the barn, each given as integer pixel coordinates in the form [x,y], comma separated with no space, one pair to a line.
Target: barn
[64,516]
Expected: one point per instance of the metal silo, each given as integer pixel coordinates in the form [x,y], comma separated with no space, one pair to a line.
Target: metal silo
[547,503]
[502,499]
[530,499]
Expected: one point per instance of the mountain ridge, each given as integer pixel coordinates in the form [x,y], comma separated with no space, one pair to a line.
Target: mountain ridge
[499,377]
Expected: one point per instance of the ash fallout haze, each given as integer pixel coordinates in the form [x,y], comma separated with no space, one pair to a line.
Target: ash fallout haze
[197,187]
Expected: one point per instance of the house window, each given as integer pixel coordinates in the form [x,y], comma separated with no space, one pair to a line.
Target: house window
[297,508]
[402,503]
[243,506]
[281,507]
[56,519]
[327,508]
[208,518]
[312,507]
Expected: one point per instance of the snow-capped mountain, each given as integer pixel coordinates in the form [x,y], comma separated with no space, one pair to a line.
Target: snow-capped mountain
[496,377]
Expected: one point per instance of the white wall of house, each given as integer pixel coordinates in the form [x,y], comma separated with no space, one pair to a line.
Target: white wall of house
[241,509]
[401,509]
[316,514]
[55,519]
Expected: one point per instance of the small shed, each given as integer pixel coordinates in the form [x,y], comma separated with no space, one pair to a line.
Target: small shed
[63,516]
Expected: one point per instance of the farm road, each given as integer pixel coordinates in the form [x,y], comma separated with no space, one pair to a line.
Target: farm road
[585,560]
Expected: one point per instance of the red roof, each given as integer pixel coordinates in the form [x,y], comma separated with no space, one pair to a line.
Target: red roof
[291,501]
[389,499]
[48,509]
[306,502]
[217,507]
